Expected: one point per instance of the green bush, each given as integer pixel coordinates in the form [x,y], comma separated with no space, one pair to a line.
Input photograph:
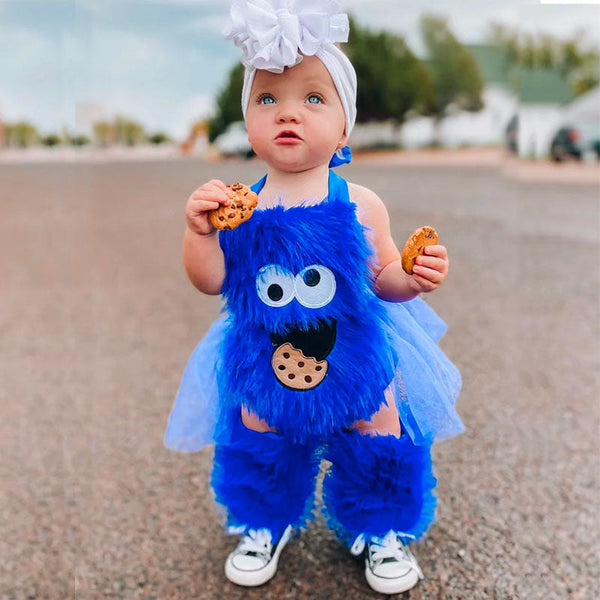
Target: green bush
[51,140]
[159,138]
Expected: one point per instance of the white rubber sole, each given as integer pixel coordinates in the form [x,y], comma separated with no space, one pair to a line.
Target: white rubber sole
[391,586]
[258,576]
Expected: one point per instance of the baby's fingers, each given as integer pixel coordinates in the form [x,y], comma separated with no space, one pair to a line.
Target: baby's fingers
[199,206]
[436,250]
[425,285]
[430,275]
[432,262]
[217,183]
[213,189]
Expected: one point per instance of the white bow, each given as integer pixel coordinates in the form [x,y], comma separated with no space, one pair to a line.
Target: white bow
[274,34]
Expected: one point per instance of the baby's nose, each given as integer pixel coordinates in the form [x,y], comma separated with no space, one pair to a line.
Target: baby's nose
[287,114]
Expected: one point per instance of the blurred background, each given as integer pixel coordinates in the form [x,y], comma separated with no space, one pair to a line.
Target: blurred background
[479,118]
[156,77]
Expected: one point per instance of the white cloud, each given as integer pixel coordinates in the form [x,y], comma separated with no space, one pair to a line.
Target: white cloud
[213,24]
[124,53]
[163,61]
[21,48]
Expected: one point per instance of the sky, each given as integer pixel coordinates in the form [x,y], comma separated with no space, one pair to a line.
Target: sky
[162,62]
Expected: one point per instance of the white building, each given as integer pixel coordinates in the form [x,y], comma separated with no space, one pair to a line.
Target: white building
[543,100]
[482,128]
[540,98]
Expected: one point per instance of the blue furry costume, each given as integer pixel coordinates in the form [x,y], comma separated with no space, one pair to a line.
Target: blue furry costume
[307,346]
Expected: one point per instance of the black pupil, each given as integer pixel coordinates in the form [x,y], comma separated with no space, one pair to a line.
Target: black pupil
[312,278]
[275,292]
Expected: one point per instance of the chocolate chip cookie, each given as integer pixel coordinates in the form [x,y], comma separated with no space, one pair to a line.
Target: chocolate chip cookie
[415,245]
[243,203]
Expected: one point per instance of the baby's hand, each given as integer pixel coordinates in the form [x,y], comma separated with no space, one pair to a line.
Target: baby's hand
[206,198]
[430,269]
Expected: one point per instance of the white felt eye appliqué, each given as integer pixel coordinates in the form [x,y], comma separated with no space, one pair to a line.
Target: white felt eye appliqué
[315,286]
[275,285]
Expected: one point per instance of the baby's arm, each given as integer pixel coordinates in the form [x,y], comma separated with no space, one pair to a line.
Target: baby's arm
[202,254]
[392,283]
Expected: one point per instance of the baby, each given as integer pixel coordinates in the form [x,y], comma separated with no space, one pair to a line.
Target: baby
[325,350]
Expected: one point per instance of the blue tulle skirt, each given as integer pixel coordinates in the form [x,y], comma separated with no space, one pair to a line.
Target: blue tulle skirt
[425,387]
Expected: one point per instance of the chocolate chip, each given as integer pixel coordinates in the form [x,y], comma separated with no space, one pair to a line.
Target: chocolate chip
[286,355]
[308,379]
[291,376]
[318,368]
[300,364]
[281,367]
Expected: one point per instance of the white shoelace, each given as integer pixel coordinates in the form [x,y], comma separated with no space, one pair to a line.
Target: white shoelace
[387,547]
[258,541]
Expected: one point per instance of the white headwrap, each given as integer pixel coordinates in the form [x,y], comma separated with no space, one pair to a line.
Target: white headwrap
[274,34]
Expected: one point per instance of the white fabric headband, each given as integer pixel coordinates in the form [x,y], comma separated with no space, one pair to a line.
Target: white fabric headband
[274,34]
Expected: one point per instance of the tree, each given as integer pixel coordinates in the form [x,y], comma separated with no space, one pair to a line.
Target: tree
[129,132]
[574,59]
[392,81]
[453,68]
[104,133]
[22,134]
[229,107]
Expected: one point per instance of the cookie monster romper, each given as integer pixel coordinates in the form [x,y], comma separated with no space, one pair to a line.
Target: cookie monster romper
[306,345]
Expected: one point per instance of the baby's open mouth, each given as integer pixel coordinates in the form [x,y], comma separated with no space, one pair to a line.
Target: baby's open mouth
[299,355]
[288,134]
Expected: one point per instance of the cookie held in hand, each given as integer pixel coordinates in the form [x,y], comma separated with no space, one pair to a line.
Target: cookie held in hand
[243,203]
[415,246]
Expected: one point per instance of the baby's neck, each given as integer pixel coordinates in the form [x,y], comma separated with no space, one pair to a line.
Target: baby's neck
[289,189]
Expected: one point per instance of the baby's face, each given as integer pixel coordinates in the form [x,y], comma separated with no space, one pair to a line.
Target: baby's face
[295,119]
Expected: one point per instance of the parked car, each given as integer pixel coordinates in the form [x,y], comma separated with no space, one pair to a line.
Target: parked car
[511,134]
[234,141]
[576,141]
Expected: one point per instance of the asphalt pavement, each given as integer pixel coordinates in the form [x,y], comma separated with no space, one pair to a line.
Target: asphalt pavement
[98,320]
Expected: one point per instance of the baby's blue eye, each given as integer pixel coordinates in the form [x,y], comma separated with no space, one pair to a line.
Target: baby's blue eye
[314,99]
[267,99]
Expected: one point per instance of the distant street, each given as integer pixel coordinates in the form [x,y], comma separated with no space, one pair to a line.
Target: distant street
[98,320]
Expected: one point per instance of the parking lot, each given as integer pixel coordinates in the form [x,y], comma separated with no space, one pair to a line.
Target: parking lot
[98,320]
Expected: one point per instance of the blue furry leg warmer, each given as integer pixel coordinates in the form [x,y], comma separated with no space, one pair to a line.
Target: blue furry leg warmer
[376,484]
[264,481]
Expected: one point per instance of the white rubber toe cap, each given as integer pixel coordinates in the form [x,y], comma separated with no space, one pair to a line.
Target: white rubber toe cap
[391,581]
[251,571]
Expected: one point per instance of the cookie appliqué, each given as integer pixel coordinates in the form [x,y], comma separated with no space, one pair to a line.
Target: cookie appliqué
[296,371]
[243,203]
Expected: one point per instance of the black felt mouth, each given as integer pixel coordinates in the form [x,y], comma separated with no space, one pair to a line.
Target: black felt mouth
[316,342]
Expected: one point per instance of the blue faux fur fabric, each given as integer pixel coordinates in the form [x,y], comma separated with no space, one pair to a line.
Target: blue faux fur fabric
[361,362]
[366,341]
[377,484]
[265,481]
